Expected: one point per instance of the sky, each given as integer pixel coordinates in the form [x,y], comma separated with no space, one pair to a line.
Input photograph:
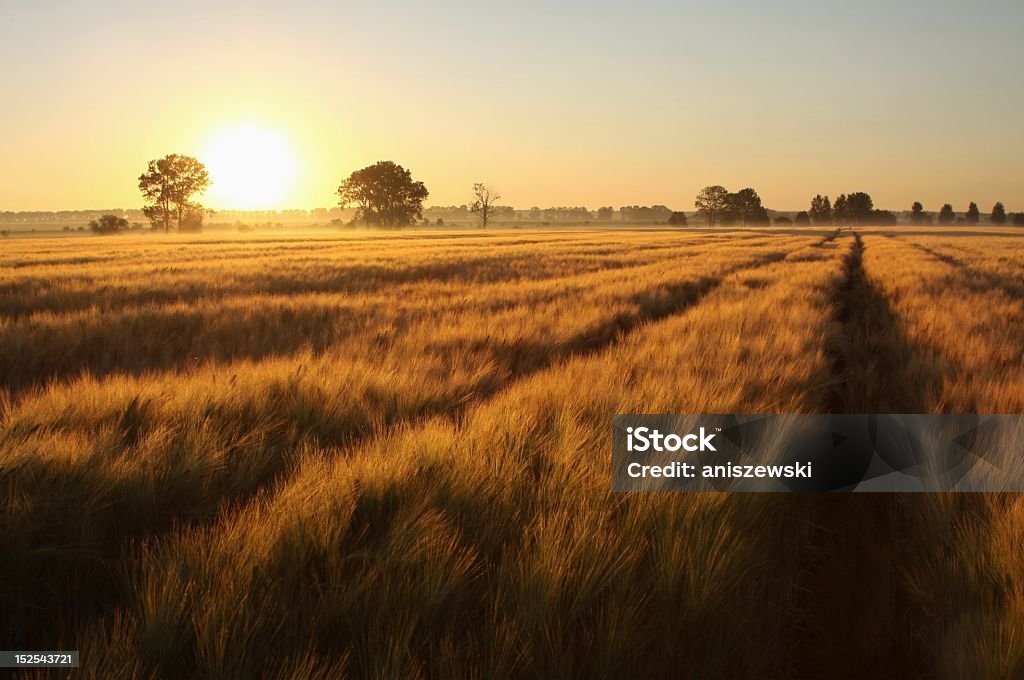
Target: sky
[553,104]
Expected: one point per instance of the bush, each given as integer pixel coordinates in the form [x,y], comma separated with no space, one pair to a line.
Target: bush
[108,224]
[192,219]
[677,218]
[881,218]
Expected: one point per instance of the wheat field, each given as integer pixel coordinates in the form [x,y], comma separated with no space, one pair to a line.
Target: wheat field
[388,454]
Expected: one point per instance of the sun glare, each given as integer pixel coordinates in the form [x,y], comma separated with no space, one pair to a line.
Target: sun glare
[252,168]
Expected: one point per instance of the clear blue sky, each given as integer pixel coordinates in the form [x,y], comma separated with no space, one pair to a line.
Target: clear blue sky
[556,104]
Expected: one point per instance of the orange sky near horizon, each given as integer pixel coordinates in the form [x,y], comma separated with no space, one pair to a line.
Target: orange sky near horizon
[576,105]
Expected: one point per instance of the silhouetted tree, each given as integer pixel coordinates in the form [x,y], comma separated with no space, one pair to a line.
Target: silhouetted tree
[855,208]
[882,218]
[946,214]
[998,214]
[1018,219]
[803,219]
[108,224]
[677,218]
[918,215]
[168,185]
[821,210]
[645,213]
[483,205]
[840,210]
[605,213]
[859,208]
[973,215]
[384,193]
[744,207]
[711,202]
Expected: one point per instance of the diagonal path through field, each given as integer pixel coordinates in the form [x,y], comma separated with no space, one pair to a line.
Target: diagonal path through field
[976,278]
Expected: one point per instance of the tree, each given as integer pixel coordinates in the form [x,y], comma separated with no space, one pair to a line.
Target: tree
[744,207]
[783,221]
[677,218]
[484,203]
[946,214]
[651,214]
[803,219]
[882,218]
[840,209]
[918,215]
[168,185]
[108,224]
[973,215]
[711,202]
[1018,219]
[859,207]
[192,219]
[606,213]
[821,210]
[384,194]
[998,214]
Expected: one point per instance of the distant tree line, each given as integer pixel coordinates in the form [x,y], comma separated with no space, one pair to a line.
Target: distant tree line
[855,208]
[858,208]
[972,216]
[634,213]
[386,195]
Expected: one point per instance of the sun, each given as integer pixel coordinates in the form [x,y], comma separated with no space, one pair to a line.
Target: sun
[251,167]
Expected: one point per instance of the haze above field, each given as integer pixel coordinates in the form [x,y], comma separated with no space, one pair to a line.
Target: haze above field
[574,104]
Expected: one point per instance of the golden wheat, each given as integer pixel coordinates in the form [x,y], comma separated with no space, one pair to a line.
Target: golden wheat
[387,454]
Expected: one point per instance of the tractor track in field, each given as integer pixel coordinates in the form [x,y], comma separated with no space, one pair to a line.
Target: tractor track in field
[973,278]
[652,306]
[857,616]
